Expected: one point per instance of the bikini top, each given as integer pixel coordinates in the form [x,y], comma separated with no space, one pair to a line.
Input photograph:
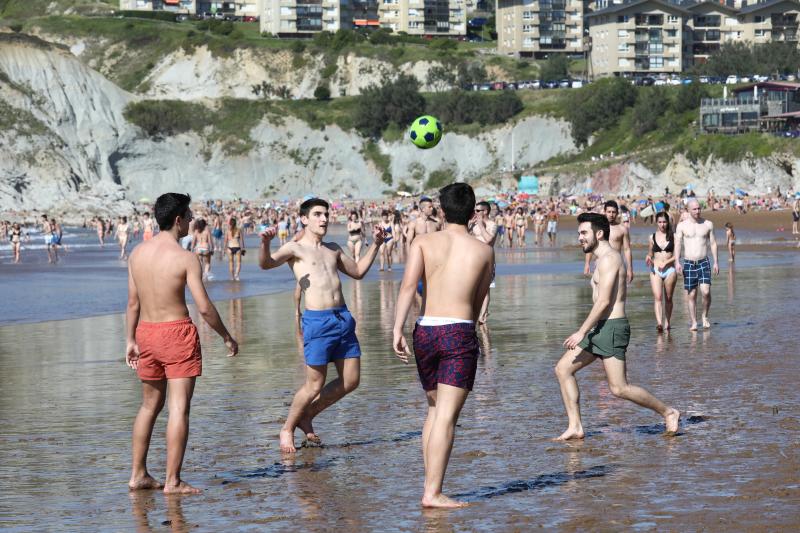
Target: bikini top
[670,247]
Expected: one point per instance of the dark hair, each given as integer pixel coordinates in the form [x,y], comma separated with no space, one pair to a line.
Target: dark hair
[424,199]
[664,214]
[305,207]
[385,213]
[611,203]
[168,206]
[354,213]
[485,205]
[200,225]
[599,223]
[458,203]
[124,219]
[232,222]
[398,217]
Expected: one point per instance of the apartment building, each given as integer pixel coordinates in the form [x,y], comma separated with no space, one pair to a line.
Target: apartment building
[424,17]
[711,24]
[177,6]
[239,8]
[775,20]
[536,28]
[640,37]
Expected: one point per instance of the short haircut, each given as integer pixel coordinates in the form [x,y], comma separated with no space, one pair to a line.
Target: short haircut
[458,203]
[124,219]
[168,206]
[305,207]
[425,199]
[599,223]
[611,203]
[485,205]
[385,213]
[200,225]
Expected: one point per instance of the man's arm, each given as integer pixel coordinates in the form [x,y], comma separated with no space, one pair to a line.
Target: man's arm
[412,231]
[415,266]
[131,321]
[488,231]
[482,289]
[194,280]
[678,243]
[265,259]
[359,270]
[627,254]
[587,269]
[607,275]
[713,242]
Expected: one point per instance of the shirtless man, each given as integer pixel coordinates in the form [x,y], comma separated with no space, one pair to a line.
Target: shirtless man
[619,239]
[49,234]
[122,235]
[147,227]
[482,228]
[694,236]
[605,332]
[457,270]
[329,330]
[164,347]
[552,224]
[425,222]
[100,227]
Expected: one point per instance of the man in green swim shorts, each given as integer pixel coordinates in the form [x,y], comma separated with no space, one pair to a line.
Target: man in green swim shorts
[605,332]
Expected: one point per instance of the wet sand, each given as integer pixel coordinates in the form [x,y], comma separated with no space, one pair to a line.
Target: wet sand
[69,401]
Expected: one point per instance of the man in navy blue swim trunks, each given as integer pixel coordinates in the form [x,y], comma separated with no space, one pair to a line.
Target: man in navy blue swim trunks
[456,269]
[694,238]
[329,330]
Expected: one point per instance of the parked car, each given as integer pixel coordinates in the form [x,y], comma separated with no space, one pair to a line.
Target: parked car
[732,79]
[550,84]
[660,82]
[564,84]
[576,84]
[536,84]
[250,18]
[704,79]
[687,81]
[744,79]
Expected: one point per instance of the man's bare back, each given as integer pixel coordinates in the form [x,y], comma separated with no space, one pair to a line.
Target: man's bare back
[158,268]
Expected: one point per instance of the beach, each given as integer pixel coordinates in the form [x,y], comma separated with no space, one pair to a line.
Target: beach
[69,402]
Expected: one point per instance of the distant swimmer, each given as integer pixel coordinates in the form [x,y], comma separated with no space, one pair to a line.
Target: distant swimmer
[457,270]
[163,345]
[329,330]
[619,239]
[605,333]
[482,228]
[123,235]
[694,236]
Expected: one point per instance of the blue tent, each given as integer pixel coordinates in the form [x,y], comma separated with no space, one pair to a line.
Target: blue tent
[529,184]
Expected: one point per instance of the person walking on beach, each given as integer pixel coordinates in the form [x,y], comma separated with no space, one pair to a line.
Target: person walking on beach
[619,239]
[456,269]
[694,236]
[329,330]
[482,228]
[426,221]
[148,228]
[123,235]
[203,246]
[49,234]
[15,235]
[795,216]
[163,345]
[234,244]
[730,242]
[100,227]
[663,278]
[552,224]
[605,333]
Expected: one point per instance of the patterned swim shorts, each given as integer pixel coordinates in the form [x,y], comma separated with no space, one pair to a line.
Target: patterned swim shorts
[446,354]
[696,273]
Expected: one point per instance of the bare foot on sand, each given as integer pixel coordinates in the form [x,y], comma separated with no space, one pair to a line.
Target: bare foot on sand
[441,501]
[306,427]
[287,441]
[181,488]
[570,434]
[706,323]
[693,327]
[671,421]
[666,326]
[660,328]
[145,482]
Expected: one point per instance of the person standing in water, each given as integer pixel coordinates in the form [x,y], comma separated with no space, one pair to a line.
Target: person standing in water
[694,237]
[234,244]
[663,277]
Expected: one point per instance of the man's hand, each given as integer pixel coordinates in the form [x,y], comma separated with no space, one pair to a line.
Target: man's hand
[630,276]
[572,341]
[132,355]
[267,235]
[587,269]
[233,347]
[716,268]
[378,234]
[648,261]
[401,346]
[678,267]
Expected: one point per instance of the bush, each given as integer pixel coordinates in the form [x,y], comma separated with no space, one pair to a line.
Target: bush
[381,36]
[157,15]
[322,93]
[221,28]
[298,47]
[471,72]
[395,101]
[16,27]
[439,178]
[466,107]
[555,68]
[444,45]
[651,103]
[598,106]
[162,118]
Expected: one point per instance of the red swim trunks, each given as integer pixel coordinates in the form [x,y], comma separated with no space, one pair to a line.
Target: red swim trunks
[168,350]
[446,354]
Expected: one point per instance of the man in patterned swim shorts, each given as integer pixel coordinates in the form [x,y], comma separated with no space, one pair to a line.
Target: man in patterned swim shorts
[456,269]
[694,237]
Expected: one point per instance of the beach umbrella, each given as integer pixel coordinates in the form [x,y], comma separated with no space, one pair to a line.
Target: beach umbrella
[145,200]
[404,194]
[502,204]
[740,192]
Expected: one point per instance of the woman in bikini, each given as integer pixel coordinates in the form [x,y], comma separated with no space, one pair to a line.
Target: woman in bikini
[388,243]
[203,246]
[283,229]
[355,237]
[234,243]
[521,224]
[730,237]
[16,241]
[123,235]
[663,278]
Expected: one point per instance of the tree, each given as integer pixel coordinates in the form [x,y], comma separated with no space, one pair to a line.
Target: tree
[440,78]
[471,72]
[397,101]
[651,103]
[555,68]
[322,93]
[598,106]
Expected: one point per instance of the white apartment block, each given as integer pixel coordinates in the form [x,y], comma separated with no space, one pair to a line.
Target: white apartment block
[424,17]
[177,6]
[536,28]
[240,8]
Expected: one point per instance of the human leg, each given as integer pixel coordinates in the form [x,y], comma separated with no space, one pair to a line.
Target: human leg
[349,376]
[484,314]
[430,396]
[572,361]
[669,290]
[449,401]
[315,379]
[692,302]
[179,396]
[153,396]
[705,291]
[657,286]
[238,266]
[230,263]
[619,386]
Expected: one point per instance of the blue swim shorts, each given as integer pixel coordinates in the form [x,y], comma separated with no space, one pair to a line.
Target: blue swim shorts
[329,335]
[696,273]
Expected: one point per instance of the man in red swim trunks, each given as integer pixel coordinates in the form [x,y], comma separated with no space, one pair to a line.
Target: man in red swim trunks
[162,343]
[456,269]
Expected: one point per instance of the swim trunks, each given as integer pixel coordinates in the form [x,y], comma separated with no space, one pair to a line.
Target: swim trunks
[608,338]
[328,335]
[48,239]
[552,226]
[147,235]
[168,350]
[217,233]
[696,273]
[446,354]
[795,216]
[663,274]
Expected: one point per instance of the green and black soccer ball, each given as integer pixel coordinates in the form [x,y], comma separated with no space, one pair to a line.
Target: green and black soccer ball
[425,132]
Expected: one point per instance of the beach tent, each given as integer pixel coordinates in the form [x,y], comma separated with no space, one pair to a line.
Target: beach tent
[740,192]
[660,206]
[529,185]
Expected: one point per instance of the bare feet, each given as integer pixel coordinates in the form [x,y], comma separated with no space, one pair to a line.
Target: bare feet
[571,434]
[306,427]
[659,328]
[442,502]
[706,323]
[287,441]
[666,326]
[693,327]
[671,420]
[181,488]
[144,483]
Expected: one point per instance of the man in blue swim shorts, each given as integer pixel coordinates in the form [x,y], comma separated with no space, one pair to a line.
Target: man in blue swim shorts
[329,331]
[695,238]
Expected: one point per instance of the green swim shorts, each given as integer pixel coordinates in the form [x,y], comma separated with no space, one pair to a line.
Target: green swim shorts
[608,338]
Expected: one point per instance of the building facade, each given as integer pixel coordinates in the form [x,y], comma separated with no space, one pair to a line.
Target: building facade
[711,24]
[176,6]
[424,17]
[536,28]
[775,20]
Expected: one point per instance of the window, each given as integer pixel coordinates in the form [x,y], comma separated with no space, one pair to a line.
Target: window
[622,47]
[656,61]
[622,19]
[527,28]
[527,42]
[527,15]
[672,33]
[758,19]
[622,34]
[286,11]
[759,33]
[672,19]
[623,62]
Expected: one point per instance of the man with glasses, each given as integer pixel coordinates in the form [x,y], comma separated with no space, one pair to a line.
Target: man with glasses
[485,230]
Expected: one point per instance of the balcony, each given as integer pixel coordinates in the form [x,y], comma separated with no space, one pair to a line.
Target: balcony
[649,20]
